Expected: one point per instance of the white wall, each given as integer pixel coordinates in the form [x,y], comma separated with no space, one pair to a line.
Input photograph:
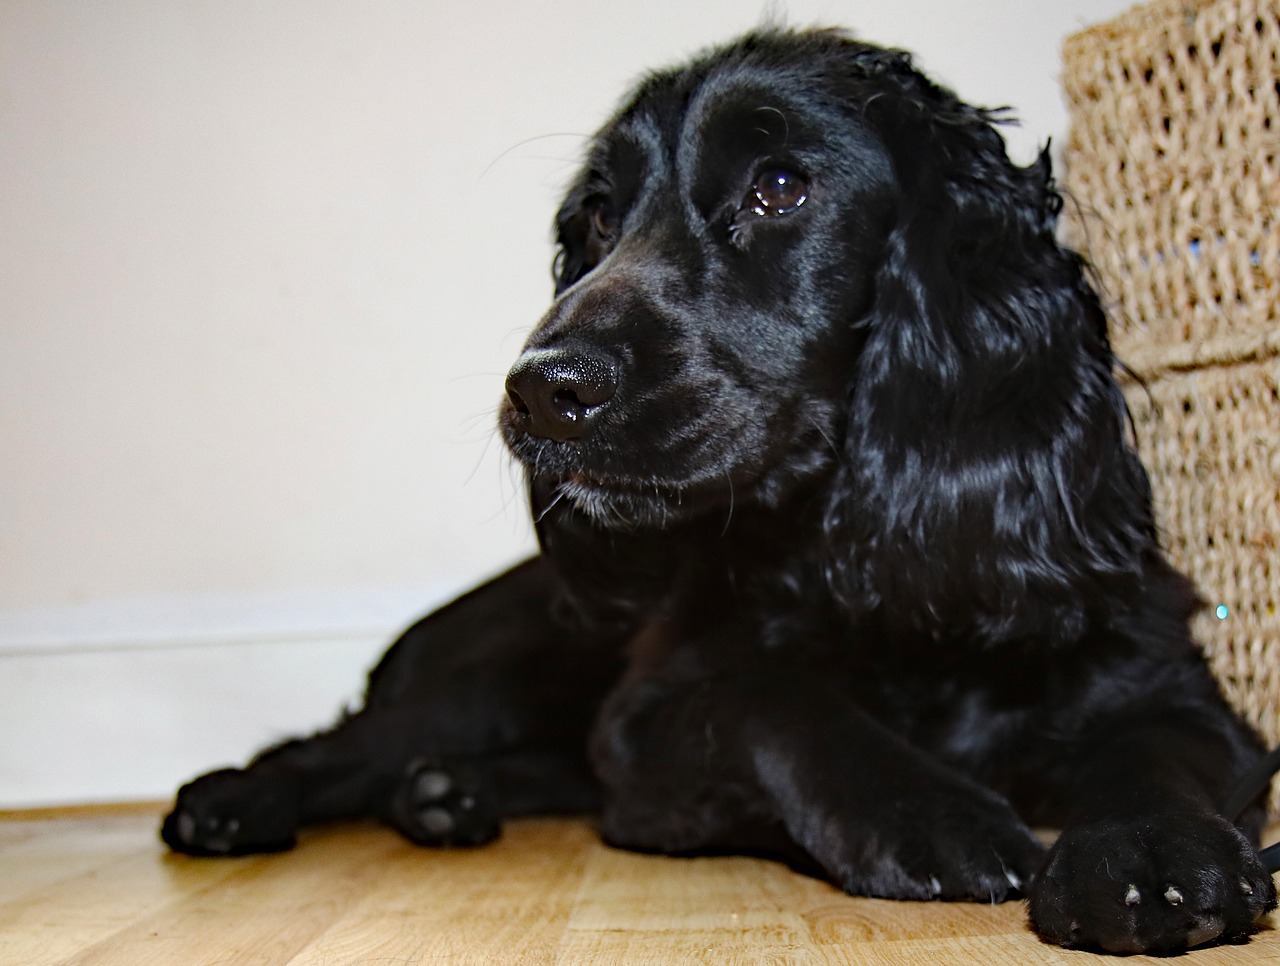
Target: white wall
[263,268]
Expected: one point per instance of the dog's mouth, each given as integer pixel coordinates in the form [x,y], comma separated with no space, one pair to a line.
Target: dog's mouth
[568,476]
[586,478]
[619,479]
[615,502]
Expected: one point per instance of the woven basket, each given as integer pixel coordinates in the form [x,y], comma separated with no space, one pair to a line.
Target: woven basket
[1172,158]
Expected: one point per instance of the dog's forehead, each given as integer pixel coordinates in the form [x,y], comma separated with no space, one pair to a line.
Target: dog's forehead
[740,89]
[674,118]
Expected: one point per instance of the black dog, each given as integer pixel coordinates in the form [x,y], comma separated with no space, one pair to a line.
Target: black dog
[846,558]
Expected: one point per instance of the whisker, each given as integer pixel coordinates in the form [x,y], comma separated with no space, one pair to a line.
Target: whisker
[506,485]
[453,380]
[835,450]
[484,454]
[481,423]
[550,506]
[519,144]
[786,125]
[729,516]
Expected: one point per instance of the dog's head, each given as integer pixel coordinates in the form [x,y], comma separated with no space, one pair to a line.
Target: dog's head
[716,253]
[798,263]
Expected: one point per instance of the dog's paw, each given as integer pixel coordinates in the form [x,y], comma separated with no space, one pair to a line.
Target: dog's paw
[966,847]
[1159,885]
[439,803]
[231,812]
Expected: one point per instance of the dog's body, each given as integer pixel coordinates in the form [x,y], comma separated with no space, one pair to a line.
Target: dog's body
[845,556]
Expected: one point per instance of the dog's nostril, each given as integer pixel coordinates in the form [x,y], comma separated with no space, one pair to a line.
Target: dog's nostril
[517,402]
[567,405]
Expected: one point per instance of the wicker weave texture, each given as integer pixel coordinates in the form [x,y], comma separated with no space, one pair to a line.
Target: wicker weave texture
[1173,160]
[1209,438]
[1172,153]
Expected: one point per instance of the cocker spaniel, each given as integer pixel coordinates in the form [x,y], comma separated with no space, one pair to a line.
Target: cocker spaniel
[845,555]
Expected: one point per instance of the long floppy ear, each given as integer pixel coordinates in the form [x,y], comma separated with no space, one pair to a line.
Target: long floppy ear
[581,246]
[573,231]
[988,487]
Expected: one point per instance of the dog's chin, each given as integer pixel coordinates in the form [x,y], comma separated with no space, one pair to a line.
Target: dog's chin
[624,502]
[630,505]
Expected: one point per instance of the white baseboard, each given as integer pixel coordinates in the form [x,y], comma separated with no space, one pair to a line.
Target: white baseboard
[125,700]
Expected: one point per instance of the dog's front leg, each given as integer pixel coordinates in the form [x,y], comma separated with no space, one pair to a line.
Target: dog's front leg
[1148,863]
[777,762]
[479,711]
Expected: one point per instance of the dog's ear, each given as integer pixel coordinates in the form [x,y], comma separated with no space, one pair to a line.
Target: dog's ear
[987,467]
[573,230]
[585,230]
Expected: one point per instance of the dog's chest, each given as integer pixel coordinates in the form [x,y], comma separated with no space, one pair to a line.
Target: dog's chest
[969,708]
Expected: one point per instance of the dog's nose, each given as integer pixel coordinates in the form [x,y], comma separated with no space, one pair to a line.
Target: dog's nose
[557,391]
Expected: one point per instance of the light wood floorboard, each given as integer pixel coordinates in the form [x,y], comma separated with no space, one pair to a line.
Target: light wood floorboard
[95,888]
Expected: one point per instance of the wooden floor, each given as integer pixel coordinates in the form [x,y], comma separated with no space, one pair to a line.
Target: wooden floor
[96,887]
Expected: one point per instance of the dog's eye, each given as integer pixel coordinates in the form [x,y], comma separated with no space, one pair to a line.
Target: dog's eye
[777,192]
[604,219]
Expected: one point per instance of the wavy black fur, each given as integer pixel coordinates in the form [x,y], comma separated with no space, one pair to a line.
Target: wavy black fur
[846,555]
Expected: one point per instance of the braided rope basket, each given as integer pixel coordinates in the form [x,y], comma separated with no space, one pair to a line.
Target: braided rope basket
[1172,157]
